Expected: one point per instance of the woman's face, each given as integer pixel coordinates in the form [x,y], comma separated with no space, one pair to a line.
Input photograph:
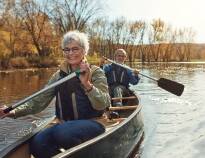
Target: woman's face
[74,53]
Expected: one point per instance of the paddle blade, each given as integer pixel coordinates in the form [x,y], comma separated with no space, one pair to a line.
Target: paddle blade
[171,86]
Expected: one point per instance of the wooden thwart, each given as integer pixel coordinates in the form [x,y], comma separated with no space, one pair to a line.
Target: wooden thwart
[124,98]
[123,108]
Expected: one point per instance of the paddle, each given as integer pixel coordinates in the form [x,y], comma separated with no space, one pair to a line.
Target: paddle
[166,84]
[70,76]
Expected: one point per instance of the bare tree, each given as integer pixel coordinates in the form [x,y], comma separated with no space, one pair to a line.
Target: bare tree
[73,14]
[141,49]
[97,31]
[36,23]
[188,40]
[156,37]
[136,30]
[184,36]
[168,47]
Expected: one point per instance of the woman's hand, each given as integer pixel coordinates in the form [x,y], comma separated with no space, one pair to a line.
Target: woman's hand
[85,76]
[3,114]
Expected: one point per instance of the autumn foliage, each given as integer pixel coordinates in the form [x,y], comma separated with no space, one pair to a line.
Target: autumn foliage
[31,31]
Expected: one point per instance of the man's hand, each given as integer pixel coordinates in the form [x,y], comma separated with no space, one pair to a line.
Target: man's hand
[136,72]
[102,61]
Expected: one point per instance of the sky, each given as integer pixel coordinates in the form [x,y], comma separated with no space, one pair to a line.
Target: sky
[178,13]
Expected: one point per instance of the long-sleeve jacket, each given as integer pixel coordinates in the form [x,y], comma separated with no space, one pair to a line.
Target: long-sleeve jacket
[98,96]
[117,75]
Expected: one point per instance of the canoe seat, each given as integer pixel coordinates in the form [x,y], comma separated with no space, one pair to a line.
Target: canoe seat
[117,108]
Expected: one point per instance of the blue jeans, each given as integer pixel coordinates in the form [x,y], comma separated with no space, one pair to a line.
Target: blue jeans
[66,135]
[119,92]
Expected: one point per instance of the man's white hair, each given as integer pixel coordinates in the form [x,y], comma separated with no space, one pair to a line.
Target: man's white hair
[120,50]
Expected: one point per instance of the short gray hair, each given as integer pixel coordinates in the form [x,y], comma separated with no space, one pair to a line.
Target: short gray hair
[120,50]
[77,36]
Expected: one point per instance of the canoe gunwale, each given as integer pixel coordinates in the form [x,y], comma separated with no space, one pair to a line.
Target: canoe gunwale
[100,137]
[136,112]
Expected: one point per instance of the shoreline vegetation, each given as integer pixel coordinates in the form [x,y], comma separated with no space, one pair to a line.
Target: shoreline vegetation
[53,62]
[28,62]
[31,31]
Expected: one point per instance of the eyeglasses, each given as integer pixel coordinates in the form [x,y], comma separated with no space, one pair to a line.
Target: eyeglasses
[122,56]
[69,50]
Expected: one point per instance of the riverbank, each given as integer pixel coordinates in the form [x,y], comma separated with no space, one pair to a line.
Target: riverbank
[37,62]
[52,62]
[28,62]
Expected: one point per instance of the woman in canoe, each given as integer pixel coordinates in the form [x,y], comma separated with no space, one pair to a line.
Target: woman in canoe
[79,102]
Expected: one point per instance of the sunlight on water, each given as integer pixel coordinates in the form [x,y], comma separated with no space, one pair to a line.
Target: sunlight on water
[175,126]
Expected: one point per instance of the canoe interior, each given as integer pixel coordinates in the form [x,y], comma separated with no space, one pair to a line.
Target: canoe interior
[122,136]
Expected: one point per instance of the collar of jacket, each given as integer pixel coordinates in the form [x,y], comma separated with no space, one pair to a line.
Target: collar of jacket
[65,66]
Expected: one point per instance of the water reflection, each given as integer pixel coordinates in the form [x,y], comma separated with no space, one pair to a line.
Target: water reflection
[15,85]
[18,84]
[174,126]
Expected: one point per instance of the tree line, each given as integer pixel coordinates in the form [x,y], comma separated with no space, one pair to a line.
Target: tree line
[35,28]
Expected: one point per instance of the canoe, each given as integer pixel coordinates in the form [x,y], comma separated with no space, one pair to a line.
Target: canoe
[121,139]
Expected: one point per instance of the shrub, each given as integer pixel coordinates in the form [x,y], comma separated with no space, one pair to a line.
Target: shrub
[18,62]
[48,62]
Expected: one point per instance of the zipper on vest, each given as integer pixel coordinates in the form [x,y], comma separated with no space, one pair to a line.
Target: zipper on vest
[74,104]
[114,77]
[60,106]
[122,76]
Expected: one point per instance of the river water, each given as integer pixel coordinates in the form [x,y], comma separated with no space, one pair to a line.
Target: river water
[174,126]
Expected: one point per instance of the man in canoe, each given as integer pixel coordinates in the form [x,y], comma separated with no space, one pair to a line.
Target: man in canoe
[119,78]
[79,102]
